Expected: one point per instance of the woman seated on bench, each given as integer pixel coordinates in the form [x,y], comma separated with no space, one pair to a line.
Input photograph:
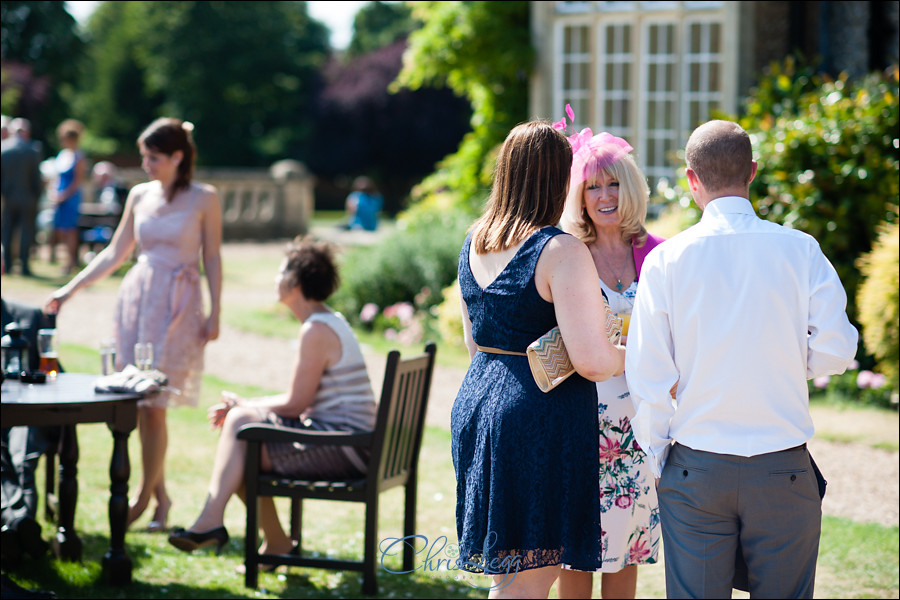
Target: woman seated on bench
[329,390]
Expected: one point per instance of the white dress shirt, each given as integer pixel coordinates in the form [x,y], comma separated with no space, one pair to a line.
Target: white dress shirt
[741,312]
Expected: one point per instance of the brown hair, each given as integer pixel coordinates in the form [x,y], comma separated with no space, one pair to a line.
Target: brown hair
[311,266]
[720,154]
[70,129]
[530,183]
[167,136]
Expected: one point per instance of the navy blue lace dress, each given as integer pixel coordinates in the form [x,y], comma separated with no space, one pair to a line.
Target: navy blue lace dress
[526,461]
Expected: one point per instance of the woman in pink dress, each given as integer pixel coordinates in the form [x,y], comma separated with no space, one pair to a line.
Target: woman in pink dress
[174,223]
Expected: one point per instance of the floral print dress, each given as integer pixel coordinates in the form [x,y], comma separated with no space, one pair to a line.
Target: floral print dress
[628,504]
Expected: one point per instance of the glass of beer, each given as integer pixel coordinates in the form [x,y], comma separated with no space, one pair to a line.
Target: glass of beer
[108,356]
[143,356]
[48,349]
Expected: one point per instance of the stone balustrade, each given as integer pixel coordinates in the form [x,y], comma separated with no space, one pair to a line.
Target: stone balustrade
[257,204]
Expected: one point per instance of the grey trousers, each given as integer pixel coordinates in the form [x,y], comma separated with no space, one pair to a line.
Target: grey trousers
[712,504]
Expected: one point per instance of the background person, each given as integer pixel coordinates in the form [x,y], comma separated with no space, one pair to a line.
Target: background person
[173,221]
[20,449]
[329,390]
[526,461]
[363,205]
[606,208]
[21,185]
[738,313]
[71,169]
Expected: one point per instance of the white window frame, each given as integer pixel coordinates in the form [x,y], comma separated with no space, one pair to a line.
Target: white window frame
[640,16]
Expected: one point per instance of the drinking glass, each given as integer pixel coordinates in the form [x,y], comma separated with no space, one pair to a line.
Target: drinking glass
[108,356]
[624,321]
[143,355]
[49,351]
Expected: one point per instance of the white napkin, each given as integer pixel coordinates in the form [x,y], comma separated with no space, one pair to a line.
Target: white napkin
[131,379]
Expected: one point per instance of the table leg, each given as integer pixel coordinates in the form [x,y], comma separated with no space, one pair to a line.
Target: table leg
[66,543]
[116,562]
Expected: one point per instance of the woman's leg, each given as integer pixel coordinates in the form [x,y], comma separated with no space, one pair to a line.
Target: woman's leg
[70,240]
[534,583]
[228,468]
[154,441]
[619,585]
[575,584]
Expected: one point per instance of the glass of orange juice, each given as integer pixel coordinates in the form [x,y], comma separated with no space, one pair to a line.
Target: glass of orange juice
[625,320]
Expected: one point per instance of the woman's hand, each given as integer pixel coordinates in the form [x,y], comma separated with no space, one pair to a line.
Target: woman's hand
[55,302]
[212,328]
[217,413]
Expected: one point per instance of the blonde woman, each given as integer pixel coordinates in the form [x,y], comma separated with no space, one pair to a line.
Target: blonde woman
[606,208]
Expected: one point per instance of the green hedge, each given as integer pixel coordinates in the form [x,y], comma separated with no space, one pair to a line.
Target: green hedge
[414,265]
[828,161]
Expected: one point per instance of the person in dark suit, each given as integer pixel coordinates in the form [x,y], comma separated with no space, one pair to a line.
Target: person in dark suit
[20,449]
[21,185]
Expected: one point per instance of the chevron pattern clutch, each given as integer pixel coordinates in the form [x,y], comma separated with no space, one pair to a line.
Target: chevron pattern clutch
[549,360]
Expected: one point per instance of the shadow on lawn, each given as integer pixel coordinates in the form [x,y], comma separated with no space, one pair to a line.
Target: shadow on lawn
[85,580]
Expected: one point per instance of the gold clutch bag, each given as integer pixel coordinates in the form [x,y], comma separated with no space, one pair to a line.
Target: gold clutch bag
[549,360]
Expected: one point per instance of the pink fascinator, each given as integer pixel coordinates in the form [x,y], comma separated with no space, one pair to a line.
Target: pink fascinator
[591,153]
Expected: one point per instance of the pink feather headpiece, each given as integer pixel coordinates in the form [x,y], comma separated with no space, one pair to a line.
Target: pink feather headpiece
[591,153]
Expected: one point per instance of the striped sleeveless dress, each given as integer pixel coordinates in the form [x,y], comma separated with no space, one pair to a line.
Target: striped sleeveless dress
[343,402]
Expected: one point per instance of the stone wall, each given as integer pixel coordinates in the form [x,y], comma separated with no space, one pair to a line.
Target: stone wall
[257,204]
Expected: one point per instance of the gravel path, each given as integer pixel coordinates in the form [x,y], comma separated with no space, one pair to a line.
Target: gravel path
[863,482]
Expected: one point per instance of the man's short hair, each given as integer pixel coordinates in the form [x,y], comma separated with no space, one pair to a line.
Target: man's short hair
[720,154]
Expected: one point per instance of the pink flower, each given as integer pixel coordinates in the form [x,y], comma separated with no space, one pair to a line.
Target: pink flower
[822,382]
[864,379]
[878,381]
[638,552]
[390,334]
[854,365]
[405,312]
[623,501]
[610,450]
[368,313]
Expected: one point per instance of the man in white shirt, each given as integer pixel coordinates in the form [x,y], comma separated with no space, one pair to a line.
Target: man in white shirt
[737,313]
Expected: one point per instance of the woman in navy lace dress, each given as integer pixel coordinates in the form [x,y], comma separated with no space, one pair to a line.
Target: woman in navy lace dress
[526,460]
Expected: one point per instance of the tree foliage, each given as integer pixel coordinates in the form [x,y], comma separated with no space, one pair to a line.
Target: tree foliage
[396,139]
[482,51]
[41,55]
[245,73]
[380,24]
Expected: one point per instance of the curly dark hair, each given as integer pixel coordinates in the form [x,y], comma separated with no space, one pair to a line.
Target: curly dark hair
[311,265]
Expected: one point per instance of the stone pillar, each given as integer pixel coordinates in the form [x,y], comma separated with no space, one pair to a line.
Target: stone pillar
[299,200]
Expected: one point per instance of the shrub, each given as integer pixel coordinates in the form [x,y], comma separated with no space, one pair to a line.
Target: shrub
[412,265]
[879,301]
[855,384]
[829,160]
[830,166]
[449,316]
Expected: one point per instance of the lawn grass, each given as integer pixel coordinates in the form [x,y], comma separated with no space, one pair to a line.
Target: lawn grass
[856,560]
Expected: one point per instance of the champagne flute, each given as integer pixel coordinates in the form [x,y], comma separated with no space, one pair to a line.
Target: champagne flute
[143,355]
